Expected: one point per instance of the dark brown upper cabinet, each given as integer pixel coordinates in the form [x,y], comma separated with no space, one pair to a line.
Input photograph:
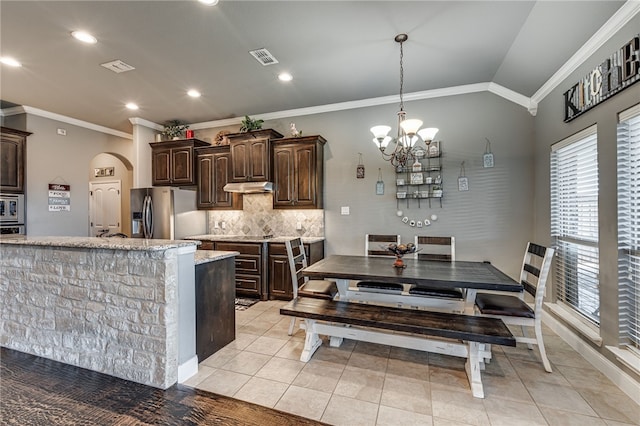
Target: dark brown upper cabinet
[251,155]
[173,162]
[213,164]
[12,159]
[298,172]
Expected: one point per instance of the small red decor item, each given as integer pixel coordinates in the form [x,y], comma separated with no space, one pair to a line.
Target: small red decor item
[189,134]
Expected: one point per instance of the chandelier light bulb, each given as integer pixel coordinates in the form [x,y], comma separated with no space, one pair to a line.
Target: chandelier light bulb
[411,126]
[428,134]
[380,132]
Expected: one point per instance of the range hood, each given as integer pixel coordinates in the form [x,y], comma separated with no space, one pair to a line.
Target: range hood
[249,187]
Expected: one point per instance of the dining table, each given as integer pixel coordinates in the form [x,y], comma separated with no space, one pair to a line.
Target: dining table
[469,276]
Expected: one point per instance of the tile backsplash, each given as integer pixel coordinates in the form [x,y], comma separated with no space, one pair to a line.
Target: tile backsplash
[258,217]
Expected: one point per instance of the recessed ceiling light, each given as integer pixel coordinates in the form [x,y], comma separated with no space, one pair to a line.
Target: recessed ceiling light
[84,37]
[10,61]
[209,2]
[132,106]
[193,93]
[285,76]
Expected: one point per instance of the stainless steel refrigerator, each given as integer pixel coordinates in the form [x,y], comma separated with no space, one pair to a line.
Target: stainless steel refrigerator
[164,212]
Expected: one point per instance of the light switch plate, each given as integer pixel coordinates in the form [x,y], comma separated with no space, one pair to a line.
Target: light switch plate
[344,211]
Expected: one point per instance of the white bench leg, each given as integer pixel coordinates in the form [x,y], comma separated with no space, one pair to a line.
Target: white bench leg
[473,370]
[312,340]
[335,341]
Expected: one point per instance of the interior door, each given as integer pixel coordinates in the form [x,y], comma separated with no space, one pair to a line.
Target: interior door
[104,207]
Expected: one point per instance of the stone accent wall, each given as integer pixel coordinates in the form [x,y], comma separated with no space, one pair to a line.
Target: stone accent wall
[258,217]
[112,311]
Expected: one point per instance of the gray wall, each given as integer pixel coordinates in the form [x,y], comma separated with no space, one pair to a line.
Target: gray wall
[63,159]
[549,128]
[492,221]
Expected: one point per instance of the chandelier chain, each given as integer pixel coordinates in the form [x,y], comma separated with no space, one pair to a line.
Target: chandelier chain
[401,77]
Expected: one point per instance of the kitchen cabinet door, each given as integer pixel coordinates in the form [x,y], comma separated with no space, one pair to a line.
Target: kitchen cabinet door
[279,273]
[173,162]
[298,173]
[12,159]
[251,155]
[213,166]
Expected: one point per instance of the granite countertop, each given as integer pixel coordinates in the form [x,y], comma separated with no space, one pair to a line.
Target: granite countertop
[205,256]
[100,243]
[251,238]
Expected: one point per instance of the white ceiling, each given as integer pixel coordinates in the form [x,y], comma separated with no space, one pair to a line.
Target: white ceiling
[337,51]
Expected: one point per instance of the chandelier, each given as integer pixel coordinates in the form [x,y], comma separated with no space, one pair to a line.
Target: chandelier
[409,132]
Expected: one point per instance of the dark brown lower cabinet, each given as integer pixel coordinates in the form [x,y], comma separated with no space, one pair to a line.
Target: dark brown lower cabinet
[251,264]
[279,274]
[215,306]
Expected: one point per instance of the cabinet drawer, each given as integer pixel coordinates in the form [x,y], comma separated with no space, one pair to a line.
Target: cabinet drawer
[249,264]
[281,249]
[248,284]
[243,248]
[206,245]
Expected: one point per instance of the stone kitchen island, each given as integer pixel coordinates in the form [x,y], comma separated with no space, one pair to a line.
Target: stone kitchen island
[124,307]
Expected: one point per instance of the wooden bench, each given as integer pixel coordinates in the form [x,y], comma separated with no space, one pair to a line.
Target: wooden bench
[455,334]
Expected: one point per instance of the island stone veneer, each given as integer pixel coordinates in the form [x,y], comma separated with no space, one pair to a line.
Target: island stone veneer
[108,305]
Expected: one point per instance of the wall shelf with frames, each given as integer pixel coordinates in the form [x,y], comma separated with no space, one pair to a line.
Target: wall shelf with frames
[422,180]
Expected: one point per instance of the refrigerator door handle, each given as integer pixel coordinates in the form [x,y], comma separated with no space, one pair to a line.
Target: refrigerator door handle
[147,217]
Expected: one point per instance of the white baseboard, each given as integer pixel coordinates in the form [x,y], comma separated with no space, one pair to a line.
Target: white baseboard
[187,369]
[625,382]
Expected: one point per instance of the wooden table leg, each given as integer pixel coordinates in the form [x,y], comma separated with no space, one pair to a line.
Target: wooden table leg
[312,340]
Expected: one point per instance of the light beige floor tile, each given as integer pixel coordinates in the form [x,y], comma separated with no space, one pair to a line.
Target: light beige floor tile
[406,394]
[566,418]
[522,353]
[271,316]
[610,403]
[261,391]
[371,362]
[437,421]
[500,366]
[336,355]
[343,411]
[304,402]
[281,370]
[614,423]
[588,378]
[389,416]
[247,363]
[449,377]
[266,345]
[559,397]
[372,349]
[361,384]
[505,388]
[446,361]
[569,358]
[319,375]
[409,355]
[241,342]
[221,357]
[291,350]
[508,413]
[256,327]
[409,369]
[203,373]
[458,406]
[532,373]
[223,382]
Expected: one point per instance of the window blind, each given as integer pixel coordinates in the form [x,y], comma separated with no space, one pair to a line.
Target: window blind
[629,228]
[574,222]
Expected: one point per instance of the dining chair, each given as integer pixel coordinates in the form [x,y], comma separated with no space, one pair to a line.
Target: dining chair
[441,249]
[374,245]
[318,289]
[513,310]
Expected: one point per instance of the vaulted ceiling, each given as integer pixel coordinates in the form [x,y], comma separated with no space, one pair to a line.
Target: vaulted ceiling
[337,51]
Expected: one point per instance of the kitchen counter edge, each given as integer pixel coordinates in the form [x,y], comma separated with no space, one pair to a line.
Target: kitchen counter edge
[245,239]
[101,243]
[206,256]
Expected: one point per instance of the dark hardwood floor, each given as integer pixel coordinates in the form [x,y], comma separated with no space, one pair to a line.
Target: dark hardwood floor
[39,391]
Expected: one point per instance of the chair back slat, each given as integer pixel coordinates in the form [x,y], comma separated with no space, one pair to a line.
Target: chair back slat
[435,248]
[297,262]
[535,270]
[373,244]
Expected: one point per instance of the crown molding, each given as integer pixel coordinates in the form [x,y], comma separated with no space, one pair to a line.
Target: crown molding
[610,28]
[371,102]
[146,123]
[64,119]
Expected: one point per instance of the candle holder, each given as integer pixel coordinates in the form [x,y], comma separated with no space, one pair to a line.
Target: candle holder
[400,250]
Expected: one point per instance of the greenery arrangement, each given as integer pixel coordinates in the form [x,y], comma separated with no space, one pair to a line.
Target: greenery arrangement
[174,128]
[249,124]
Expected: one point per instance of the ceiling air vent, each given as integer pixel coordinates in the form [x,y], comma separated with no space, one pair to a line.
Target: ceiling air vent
[117,66]
[263,56]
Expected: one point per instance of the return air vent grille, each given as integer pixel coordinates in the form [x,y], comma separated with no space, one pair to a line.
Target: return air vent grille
[117,66]
[263,56]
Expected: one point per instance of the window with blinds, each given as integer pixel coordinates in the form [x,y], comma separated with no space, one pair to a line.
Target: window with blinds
[574,222]
[629,227]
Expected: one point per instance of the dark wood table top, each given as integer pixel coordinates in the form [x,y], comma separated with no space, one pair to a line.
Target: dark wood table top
[458,274]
